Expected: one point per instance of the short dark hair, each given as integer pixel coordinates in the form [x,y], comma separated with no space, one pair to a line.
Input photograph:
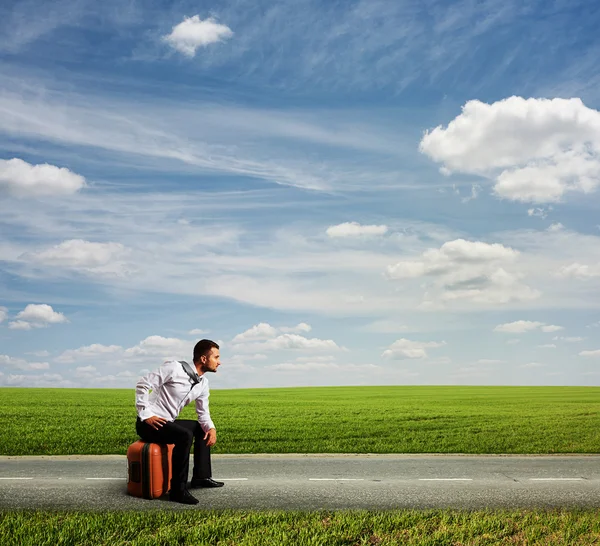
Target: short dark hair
[203,347]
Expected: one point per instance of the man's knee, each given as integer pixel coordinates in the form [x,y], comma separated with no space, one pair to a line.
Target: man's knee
[187,437]
[181,436]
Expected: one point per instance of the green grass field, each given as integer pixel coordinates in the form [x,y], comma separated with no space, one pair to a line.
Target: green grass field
[408,527]
[320,420]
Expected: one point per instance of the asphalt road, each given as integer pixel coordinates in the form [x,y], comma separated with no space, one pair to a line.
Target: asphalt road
[310,482]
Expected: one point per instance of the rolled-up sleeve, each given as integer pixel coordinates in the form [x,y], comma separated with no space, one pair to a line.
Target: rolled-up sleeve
[152,381]
[202,410]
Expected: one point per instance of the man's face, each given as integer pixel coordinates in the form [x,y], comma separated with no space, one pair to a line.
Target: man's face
[211,361]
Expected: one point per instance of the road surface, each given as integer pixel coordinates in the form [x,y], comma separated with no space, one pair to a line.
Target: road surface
[312,482]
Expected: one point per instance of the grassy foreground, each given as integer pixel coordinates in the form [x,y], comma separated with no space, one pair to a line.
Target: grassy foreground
[407,527]
[319,420]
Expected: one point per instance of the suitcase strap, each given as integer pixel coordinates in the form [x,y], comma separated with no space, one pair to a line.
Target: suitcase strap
[146,471]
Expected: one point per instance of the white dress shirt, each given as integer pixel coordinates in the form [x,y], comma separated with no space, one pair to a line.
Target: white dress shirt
[171,392]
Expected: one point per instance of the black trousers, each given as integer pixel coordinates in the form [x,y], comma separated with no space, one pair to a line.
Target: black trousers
[182,433]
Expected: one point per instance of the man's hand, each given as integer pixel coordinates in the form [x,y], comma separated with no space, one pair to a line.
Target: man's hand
[211,437]
[155,422]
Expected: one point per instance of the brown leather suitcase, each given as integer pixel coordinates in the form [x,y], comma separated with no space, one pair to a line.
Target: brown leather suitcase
[149,469]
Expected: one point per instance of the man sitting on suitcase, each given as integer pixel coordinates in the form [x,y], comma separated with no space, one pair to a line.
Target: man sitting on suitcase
[174,385]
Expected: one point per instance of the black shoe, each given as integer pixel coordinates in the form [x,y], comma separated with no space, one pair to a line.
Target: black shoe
[184,497]
[205,482]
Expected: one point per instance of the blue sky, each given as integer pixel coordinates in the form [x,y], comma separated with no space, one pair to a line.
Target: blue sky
[339,193]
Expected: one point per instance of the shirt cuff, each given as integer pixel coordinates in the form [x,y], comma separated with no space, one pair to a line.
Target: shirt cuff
[207,426]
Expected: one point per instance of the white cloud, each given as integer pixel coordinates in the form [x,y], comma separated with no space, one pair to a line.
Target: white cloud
[475,190]
[354,229]
[571,339]
[551,328]
[239,361]
[579,271]
[286,342]
[569,171]
[165,347]
[385,326]
[595,353]
[3,314]
[406,349]
[78,254]
[86,372]
[198,332]
[263,330]
[513,341]
[42,353]
[496,287]
[450,255]
[522,326]
[36,366]
[467,270]
[532,365]
[22,364]
[22,179]
[122,363]
[547,346]
[19,325]
[458,257]
[518,327]
[89,351]
[539,212]
[37,316]
[536,150]
[322,366]
[41,313]
[37,380]
[193,32]
[299,328]
[294,342]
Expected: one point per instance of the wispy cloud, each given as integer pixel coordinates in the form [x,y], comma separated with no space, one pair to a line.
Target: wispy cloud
[334,46]
[298,268]
[204,137]
[25,22]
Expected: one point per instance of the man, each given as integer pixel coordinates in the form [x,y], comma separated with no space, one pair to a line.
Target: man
[172,389]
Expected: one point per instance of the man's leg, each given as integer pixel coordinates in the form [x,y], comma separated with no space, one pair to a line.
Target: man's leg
[202,468]
[182,437]
[202,473]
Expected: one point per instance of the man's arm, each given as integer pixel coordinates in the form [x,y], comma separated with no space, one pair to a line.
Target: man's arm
[204,419]
[152,381]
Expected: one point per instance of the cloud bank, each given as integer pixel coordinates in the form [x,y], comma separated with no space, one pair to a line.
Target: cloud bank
[535,150]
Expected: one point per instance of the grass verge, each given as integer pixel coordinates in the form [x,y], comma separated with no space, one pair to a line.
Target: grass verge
[319,420]
[406,527]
